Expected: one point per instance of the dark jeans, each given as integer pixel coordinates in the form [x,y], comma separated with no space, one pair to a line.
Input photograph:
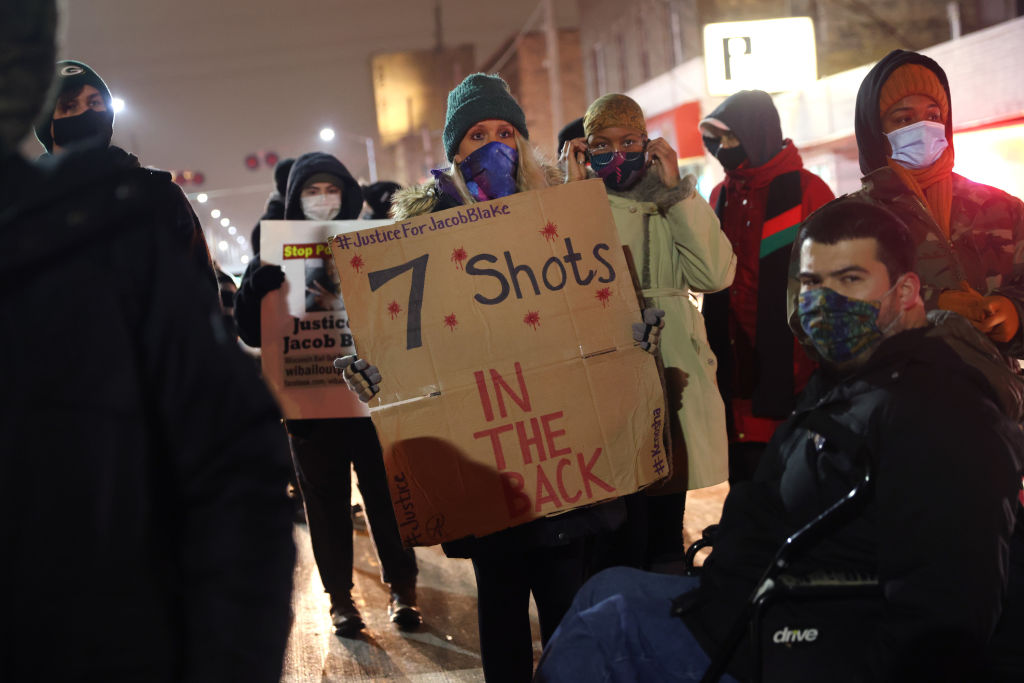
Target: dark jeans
[504,582]
[743,460]
[652,534]
[323,451]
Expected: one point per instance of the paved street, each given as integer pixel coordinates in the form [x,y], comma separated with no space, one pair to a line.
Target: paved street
[446,648]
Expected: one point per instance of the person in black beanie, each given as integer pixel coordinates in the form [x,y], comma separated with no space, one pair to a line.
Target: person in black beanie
[81,116]
[378,197]
[274,210]
[570,131]
[324,451]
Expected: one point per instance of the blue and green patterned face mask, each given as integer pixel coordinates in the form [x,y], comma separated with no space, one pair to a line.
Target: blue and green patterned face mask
[840,327]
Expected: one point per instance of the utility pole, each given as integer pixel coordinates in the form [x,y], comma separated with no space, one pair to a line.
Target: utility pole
[554,77]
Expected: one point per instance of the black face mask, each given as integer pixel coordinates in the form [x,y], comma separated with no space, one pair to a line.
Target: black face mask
[93,127]
[732,157]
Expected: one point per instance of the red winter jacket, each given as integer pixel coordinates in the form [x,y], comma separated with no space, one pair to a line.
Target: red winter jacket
[742,218]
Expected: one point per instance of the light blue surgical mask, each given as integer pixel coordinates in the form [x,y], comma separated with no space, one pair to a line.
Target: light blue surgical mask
[918,145]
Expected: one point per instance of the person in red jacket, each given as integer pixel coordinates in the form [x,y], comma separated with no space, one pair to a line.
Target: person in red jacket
[765,195]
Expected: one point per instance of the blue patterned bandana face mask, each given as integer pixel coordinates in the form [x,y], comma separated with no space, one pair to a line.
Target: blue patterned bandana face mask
[489,172]
[620,170]
[841,328]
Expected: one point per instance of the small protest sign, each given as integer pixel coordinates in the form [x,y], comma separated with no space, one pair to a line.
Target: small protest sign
[304,324]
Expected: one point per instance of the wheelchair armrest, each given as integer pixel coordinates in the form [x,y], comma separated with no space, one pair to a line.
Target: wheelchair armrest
[706,540]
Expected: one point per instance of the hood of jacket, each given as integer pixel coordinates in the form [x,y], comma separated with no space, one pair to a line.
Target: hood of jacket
[309,165]
[867,120]
[752,117]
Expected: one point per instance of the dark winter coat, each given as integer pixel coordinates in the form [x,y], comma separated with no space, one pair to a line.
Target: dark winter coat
[247,299]
[178,216]
[145,529]
[937,411]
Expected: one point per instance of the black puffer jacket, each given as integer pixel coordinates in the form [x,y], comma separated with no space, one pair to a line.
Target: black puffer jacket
[937,410]
[247,300]
[178,217]
[143,467]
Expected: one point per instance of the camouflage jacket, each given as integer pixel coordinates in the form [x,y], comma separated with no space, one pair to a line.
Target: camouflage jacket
[986,245]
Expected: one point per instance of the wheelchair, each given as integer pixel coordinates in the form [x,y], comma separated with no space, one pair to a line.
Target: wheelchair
[801,625]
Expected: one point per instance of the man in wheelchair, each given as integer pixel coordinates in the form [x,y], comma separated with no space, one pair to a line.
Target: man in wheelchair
[923,409]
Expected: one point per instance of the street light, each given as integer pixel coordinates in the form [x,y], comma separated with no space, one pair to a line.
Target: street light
[327,134]
[117,104]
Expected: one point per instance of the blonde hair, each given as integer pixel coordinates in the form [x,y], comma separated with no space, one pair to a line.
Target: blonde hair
[530,173]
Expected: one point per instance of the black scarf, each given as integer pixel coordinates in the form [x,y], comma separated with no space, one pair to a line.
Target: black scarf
[773,387]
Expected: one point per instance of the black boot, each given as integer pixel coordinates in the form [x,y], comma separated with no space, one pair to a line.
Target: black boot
[345,616]
[402,607]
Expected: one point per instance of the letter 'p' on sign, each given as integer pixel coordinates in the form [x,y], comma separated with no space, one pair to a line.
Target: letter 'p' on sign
[772,55]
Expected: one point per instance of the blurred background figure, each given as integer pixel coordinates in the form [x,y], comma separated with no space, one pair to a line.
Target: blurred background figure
[144,468]
[570,131]
[274,209]
[765,194]
[378,198]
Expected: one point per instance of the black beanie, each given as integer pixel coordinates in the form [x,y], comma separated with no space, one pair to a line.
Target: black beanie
[570,131]
[71,75]
[479,97]
[281,170]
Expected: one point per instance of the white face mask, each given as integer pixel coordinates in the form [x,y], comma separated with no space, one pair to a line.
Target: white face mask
[919,145]
[321,207]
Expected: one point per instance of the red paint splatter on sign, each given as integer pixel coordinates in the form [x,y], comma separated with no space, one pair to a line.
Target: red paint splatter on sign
[603,295]
[357,263]
[532,319]
[458,256]
[550,231]
[394,309]
[451,322]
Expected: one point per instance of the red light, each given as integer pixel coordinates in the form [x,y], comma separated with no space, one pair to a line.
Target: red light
[271,158]
[252,162]
[198,178]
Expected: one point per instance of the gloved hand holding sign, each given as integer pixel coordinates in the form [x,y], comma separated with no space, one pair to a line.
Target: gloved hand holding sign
[361,377]
[648,332]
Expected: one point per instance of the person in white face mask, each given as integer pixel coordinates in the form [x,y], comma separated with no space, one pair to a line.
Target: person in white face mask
[969,237]
[324,451]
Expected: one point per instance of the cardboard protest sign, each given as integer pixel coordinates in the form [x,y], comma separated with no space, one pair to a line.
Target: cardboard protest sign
[304,325]
[512,388]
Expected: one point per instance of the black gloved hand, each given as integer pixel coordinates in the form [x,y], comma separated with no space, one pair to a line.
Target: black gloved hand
[267,278]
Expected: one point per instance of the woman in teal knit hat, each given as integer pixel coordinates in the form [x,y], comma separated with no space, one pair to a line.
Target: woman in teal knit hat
[486,139]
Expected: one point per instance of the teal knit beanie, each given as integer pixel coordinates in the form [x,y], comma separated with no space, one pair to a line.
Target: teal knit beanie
[479,97]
